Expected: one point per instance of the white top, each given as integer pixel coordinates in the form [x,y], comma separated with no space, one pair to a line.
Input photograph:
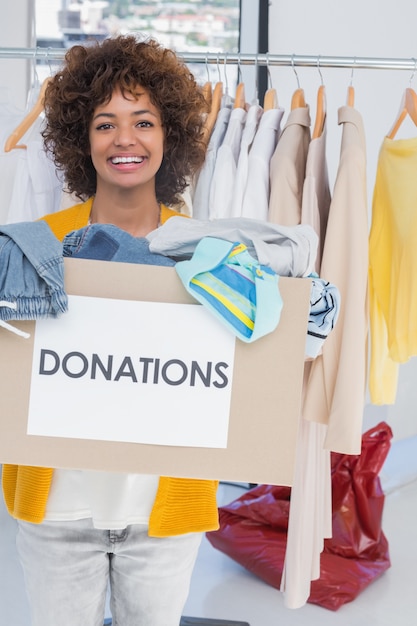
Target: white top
[113,500]
[37,186]
[201,192]
[252,120]
[255,199]
[10,117]
[222,184]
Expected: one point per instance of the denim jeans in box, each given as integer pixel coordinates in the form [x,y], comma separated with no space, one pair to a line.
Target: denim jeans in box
[106,242]
[31,272]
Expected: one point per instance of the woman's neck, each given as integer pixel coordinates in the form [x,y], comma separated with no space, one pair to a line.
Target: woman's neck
[137,215]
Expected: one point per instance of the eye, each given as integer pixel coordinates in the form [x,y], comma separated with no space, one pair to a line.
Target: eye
[105,126]
[144,124]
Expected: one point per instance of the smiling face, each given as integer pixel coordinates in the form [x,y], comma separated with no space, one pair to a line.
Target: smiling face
[126,142]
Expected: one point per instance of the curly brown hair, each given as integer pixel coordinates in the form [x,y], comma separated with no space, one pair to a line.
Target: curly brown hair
[88,78]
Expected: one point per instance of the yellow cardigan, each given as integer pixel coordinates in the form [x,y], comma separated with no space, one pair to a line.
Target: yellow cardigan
[181,505]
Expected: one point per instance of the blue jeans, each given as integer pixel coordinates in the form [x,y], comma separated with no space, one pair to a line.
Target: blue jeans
[105,242]
[31,276]
[67,567]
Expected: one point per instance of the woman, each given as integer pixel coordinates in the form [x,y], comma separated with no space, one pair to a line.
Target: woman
[124,121]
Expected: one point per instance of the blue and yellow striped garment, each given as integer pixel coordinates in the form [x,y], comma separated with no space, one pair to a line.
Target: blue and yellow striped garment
[224,277]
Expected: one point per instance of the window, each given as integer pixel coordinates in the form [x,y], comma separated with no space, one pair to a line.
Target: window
[188,26]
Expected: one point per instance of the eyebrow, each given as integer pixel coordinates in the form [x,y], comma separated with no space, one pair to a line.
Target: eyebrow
[133,114]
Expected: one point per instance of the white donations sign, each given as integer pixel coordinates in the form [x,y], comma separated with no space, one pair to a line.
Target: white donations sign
[132,371]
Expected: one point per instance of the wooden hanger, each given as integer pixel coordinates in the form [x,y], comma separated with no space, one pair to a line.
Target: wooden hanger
[408,107]
[321,108]
[207,93]
[240,101]
[216,101]
[350,100]
[270,96]
[320,112]
[298,99]
[270,99]
[26,123]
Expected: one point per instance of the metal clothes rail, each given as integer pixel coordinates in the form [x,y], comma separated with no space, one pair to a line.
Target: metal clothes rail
[261,59]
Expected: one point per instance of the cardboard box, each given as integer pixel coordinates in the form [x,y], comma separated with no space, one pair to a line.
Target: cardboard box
[263,405]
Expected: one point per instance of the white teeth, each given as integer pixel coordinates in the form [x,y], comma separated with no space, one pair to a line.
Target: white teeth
[117,160]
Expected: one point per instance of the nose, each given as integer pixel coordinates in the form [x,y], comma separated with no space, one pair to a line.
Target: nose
[125,136]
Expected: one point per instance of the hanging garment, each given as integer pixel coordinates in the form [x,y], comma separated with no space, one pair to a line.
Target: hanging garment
[201,188]
[30,183]
[316,191]
[37,187]
[223,180]
[9,164]
[393,267]
[309,521]
[242,172]
[9,118]
[287,169]
[329,399]
[257,189]
[311,489]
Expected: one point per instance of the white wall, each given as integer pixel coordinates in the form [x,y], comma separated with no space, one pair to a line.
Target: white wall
[15,32]
[367,28]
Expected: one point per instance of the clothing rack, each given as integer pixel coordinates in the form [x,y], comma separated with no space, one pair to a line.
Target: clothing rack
[50,55]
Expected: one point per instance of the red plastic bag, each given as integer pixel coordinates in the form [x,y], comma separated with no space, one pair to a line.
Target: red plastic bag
[253,528]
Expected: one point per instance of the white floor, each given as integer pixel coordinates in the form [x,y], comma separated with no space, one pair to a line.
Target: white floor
[222,589]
